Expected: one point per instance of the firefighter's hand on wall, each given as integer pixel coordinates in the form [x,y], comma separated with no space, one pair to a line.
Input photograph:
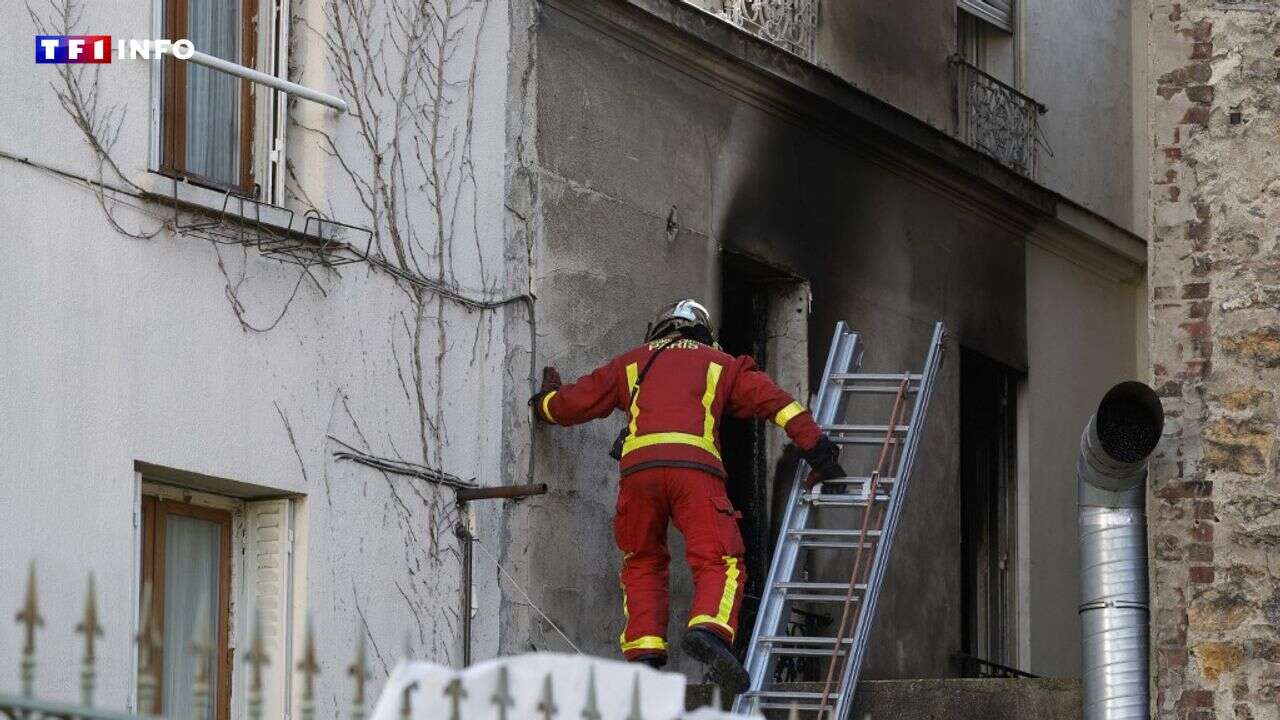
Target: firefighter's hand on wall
[824,459]
[550,383]
[550,379]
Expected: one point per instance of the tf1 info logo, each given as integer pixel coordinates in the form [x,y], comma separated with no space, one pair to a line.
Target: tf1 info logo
[76,49]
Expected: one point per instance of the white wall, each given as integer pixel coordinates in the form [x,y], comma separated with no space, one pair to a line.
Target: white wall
[1081,340]
[120,350]
[1078,61]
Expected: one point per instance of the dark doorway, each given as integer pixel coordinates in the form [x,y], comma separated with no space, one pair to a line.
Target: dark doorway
[755,297]
[988,501]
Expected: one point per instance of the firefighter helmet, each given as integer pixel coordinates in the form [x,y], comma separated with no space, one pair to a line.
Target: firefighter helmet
[679,316]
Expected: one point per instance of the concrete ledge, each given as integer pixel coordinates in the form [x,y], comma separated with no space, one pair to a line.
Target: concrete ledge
[951,699]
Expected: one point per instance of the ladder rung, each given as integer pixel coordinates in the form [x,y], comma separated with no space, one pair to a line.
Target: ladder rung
[865,440]
[801,640]
[875,377]
[833,545]
[819,532]
[860,479]
[813,652]
[802,707]
[833,500]
[877,429]
[783,694]
[802,597]
[800,585]
[878,389]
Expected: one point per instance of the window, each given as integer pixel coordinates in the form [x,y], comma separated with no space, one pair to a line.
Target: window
[232,558]
[208,116]
[996,12]
[186,559]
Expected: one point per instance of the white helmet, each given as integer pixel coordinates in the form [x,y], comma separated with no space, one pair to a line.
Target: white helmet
[687,313]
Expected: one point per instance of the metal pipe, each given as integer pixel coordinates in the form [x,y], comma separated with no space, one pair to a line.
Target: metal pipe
[501,492]
[271,81]
[464,530]
[1114,612]
[465,539]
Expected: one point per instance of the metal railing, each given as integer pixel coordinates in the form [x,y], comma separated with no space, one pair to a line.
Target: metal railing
[403,701]
[997,119]
[972,666]
[790,24]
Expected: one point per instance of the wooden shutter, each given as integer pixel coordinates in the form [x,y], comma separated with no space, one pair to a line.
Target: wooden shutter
[996,12]
[269,555]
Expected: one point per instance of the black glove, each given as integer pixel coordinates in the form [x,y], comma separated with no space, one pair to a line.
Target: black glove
[824,459]
[550,383]
[550,379]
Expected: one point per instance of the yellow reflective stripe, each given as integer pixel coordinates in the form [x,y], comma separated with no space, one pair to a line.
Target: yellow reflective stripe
[708,620]
[708,397]
[646,642]
[633,372]
[731,575]
[670,438]
[707,441]
[546,406]
[785,415]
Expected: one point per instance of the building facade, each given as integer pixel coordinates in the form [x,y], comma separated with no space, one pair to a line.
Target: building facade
[262,332]
[677,154]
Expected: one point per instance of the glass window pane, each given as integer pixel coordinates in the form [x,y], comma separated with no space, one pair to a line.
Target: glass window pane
[213,98]
[192,568]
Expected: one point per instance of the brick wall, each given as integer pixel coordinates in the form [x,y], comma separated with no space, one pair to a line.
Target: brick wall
[1215,341]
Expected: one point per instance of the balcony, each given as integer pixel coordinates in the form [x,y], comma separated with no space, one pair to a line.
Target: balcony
[790,24]
[997,119]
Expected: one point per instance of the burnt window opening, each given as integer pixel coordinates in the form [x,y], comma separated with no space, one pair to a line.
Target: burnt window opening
[988,507]
[763,315]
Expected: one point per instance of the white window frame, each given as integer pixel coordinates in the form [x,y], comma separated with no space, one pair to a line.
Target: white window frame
[259,528]
[270,103]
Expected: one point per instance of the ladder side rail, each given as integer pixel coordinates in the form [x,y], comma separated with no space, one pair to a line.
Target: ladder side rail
[844,347]
[880,559]
[845,352]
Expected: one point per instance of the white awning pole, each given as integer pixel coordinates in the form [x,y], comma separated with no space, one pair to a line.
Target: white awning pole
[270,81]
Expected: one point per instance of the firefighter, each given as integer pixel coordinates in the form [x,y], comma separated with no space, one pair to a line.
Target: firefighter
[675,388]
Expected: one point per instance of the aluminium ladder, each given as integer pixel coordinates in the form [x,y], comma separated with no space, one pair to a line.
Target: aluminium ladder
[876,496]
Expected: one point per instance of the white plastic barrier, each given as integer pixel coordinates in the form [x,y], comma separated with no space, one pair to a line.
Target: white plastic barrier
[537,686]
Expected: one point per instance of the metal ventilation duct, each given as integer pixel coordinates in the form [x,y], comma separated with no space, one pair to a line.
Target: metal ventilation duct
[1114,612]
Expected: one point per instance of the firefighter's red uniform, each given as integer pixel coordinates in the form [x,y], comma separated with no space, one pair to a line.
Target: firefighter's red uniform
[671,470]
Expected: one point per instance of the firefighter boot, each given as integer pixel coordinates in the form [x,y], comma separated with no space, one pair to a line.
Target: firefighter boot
[709,649]
[657,662]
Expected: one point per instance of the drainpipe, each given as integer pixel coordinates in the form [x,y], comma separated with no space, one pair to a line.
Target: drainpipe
[1114,612]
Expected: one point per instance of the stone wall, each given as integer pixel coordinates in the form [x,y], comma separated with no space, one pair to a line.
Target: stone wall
[1215,284]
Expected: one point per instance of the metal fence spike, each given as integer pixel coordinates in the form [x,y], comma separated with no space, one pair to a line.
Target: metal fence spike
[202,649]
[502,695]
[592,710]
[456,694]
[148,648]
[29,618]
[634,713]
[309,669]
[359,672]
[256,658]
[547,706]
[92,630]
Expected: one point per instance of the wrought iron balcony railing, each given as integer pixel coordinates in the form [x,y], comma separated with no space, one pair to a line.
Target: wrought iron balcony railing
[997,119]
[790,24]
